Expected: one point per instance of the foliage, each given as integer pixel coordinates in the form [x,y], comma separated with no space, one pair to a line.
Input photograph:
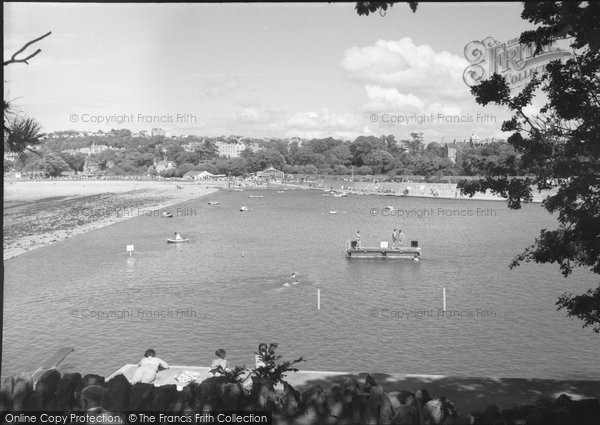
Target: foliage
[558,144]
[366,7]
[232,376]
[273,371]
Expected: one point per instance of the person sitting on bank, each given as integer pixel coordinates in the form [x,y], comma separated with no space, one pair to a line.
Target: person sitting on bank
[219,364]
[148,367]
[260,356]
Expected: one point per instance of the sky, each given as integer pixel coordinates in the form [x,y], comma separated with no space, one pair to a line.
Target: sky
[255,70]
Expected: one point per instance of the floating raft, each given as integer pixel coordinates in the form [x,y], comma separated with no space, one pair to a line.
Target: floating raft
[412,252]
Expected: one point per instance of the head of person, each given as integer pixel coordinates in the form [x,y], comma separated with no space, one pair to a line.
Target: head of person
[294,274]
[91,397]
[220,353]
[150,353]
[262,348]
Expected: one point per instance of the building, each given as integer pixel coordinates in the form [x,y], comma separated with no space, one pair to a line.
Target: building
[270,174]
[230,149]
[164,165]
[157,132]
[197,175]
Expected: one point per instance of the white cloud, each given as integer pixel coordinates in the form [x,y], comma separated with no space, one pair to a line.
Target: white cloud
[398,74]
[386,99]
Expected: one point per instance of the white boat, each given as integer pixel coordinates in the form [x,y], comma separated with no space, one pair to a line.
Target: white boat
[213,203]
[244,208]
[177,240]
[389,208]
[255,196]
[332,212]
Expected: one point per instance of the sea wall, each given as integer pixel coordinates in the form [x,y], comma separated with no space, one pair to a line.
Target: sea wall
[357,400]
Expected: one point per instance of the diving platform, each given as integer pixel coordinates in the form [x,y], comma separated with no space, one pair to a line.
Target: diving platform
[384,251]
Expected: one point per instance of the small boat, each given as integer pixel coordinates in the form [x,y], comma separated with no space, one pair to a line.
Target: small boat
[280,191]
[213,203]
[389,208]
[177,240]
[255,196]
[337,195]
[244,208]
[167,214]
[332,212]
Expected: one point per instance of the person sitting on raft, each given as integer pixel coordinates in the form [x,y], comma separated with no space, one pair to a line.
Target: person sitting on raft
[177,236]
[148,368]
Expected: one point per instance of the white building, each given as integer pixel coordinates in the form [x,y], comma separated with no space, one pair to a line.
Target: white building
[230,150]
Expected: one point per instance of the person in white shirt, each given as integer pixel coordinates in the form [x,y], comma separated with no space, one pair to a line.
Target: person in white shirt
[148,368]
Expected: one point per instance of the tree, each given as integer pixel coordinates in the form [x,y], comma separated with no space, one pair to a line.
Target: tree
[366,7]
[561,143]
[363,146]
[21,134]
[75,161]
[54,165]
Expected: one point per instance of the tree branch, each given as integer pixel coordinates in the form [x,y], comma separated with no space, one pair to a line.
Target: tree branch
[14,59]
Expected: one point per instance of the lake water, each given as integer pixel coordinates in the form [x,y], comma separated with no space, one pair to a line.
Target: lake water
[224,289]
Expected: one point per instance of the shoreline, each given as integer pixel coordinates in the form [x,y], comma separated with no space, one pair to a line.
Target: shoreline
[468,393]
[40,213]
[446,191]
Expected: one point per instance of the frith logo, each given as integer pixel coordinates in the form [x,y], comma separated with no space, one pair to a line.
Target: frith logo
[515,61]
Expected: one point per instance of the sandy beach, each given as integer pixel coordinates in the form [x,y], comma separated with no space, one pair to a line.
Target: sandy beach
[39,213]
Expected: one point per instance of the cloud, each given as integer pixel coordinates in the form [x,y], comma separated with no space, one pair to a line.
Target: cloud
[385,99]
[399,74]
[220,87]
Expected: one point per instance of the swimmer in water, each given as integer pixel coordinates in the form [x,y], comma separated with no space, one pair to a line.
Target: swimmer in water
[291,280]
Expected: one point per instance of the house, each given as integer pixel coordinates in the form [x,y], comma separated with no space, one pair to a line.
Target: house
[270,174]
[164,165]
[230,149]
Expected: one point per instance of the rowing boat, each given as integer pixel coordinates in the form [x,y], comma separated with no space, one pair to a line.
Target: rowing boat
[177,240]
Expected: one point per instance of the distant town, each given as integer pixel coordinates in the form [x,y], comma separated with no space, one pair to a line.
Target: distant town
[121,152]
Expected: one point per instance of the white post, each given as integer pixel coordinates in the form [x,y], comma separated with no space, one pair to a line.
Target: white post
[318,299]
[444,292]
[130,249]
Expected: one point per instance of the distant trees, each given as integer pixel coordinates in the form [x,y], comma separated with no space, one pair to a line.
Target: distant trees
[382,155]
